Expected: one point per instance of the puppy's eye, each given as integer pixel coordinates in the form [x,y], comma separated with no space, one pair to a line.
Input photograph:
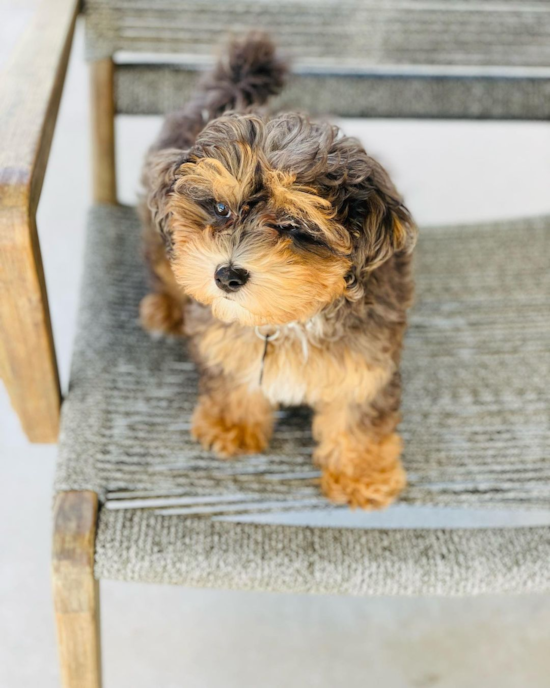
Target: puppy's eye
[222,210]
[299,236]
[287,229]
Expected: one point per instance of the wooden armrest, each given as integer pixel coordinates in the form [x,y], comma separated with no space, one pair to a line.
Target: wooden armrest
[30,91]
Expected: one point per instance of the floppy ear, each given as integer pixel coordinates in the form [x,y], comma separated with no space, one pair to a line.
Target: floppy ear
[159,176]
[388,227]
[370,207]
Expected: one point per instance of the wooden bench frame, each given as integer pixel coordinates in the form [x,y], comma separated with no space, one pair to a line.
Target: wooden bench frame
[31,86]
[30,91]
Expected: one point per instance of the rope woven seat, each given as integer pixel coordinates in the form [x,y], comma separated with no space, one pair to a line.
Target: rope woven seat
[476,425]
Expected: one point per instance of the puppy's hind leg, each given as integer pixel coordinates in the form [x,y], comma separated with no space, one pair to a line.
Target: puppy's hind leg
[359,450]
[232,420]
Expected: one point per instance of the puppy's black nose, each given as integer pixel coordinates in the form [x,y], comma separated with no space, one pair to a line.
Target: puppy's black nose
[229,278]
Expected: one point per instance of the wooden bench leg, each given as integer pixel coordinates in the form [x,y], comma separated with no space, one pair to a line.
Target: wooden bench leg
[75,591]
[103,131]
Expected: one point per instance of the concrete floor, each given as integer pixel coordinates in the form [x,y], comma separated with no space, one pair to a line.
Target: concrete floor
[157,637]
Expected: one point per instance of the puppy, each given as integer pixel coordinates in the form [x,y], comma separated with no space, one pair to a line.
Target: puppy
[283,251]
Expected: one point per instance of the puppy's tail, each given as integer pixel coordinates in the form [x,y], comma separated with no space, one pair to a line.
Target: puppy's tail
[247,74]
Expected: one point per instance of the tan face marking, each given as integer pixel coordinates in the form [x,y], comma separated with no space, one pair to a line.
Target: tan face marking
[287,283]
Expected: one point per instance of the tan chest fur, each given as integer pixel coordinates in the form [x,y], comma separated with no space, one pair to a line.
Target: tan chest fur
[296,369]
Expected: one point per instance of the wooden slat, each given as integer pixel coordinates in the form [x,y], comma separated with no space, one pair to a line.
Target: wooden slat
[30,91]
[76,592]
[344,32]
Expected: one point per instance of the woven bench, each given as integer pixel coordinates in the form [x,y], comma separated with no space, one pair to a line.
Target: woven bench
[136,499]
[476,427]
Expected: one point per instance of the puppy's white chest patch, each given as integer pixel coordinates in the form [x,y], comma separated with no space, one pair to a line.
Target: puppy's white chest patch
[285,389]
[282,370]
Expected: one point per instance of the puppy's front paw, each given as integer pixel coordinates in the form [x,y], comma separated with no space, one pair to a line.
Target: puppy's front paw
[161,314]
[226,437]
[366,478]
[368,491]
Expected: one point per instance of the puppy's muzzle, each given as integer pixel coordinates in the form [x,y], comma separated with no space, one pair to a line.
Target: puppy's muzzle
[230,278]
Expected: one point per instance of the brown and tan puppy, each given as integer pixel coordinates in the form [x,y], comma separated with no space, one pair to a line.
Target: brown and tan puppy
[283,250]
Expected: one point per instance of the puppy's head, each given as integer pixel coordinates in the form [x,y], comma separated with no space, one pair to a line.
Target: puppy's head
[270,221]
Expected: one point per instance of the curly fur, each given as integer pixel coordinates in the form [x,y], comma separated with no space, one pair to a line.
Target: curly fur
[319,227]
